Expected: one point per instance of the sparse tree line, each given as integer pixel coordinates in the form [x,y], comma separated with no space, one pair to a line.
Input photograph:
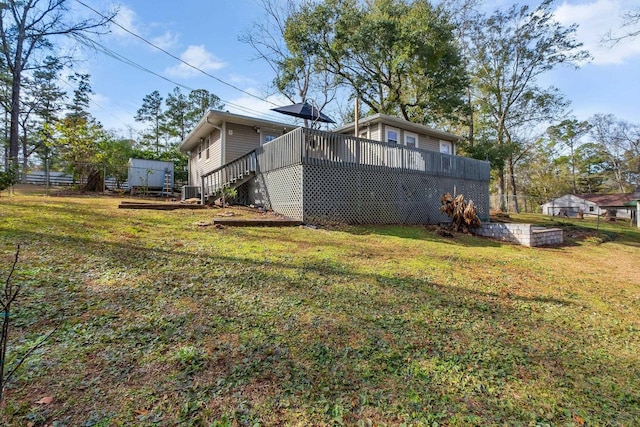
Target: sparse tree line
[450,66]
[46,123]
[170,124]
[57,129]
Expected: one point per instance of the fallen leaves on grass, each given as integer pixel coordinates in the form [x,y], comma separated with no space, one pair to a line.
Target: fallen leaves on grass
[45,400]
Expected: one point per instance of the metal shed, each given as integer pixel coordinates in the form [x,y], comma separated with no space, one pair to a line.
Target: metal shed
[150,174]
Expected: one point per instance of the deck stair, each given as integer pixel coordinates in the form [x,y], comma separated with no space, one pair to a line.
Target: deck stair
[229,175]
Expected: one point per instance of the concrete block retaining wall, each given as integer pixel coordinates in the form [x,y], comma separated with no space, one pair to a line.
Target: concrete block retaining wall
[524,234]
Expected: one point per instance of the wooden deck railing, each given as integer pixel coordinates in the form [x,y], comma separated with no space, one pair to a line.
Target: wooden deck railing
[311,146]
[315,147]
[227,175]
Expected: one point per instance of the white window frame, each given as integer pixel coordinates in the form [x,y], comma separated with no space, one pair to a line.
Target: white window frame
[268,137]
[386,134]
[408,135]
[448,144]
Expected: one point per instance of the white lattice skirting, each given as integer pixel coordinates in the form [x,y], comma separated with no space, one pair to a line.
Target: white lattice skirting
[361,195]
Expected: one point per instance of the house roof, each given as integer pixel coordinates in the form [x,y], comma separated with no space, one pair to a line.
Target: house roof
[214,119]
[401,123]
[607,200]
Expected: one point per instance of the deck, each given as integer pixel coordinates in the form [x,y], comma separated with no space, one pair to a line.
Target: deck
[304,146]
[315,176]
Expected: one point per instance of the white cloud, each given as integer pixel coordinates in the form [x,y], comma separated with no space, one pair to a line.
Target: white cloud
[240,79]
[166,41]
[595,19]
[199,57]
[127,23]
[126,18]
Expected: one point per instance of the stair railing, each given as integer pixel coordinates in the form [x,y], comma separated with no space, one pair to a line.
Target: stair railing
[226,175]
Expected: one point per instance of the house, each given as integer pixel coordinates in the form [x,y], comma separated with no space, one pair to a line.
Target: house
[381,127]
[634,203]
[590,204]
[394,172]
[221,137]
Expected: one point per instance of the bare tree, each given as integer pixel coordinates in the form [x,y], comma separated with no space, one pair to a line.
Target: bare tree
[26,28]
[620,142]
[568,132]
[512,49]
[630,28]
[8,296]
[298,76]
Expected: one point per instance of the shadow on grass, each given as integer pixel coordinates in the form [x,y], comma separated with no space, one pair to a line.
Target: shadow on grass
[426,233]
[327,340]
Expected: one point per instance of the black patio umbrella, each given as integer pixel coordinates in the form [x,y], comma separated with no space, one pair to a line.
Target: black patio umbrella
[304,110]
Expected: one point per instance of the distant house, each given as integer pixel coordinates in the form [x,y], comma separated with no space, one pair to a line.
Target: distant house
[635,203]
[393,172]
[590,204]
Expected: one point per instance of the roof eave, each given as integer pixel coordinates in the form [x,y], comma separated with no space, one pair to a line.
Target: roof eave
[416,127]
[193,138]
[215,118]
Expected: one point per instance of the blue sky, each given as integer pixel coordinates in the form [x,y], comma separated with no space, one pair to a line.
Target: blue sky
[205,33]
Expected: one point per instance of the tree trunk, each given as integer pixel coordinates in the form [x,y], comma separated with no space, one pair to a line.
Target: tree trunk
[501,189]
[514,191]
[25,157]
[573,171]
[94,181]
[14,128]
[16,82]
[470,117]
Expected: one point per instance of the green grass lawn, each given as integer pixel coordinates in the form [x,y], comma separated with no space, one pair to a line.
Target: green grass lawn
[166,323]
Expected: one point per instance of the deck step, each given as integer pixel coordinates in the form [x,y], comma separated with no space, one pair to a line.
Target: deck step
[260,222]
[159,206]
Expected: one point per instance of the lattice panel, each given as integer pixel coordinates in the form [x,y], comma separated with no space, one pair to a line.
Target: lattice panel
[243,194]
[382,196]
[280,190]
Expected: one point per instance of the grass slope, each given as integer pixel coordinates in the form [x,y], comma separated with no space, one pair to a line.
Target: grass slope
[165,323]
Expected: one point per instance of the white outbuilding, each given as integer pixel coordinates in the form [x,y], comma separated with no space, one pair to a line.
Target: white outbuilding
[590,204]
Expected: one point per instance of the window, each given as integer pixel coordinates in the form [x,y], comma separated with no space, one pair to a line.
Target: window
[200,150]
[393,135]
[269,138]
[591,209]
[208,144]
[446,147]
[411,140]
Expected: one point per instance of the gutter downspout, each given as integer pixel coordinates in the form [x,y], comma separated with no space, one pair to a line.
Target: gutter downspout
[215,126]
[202,183]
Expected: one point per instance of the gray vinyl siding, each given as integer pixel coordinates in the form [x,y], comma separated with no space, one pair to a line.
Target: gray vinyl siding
[239,140]
[195,168]
[429,143]
[201,164]
[215,154]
